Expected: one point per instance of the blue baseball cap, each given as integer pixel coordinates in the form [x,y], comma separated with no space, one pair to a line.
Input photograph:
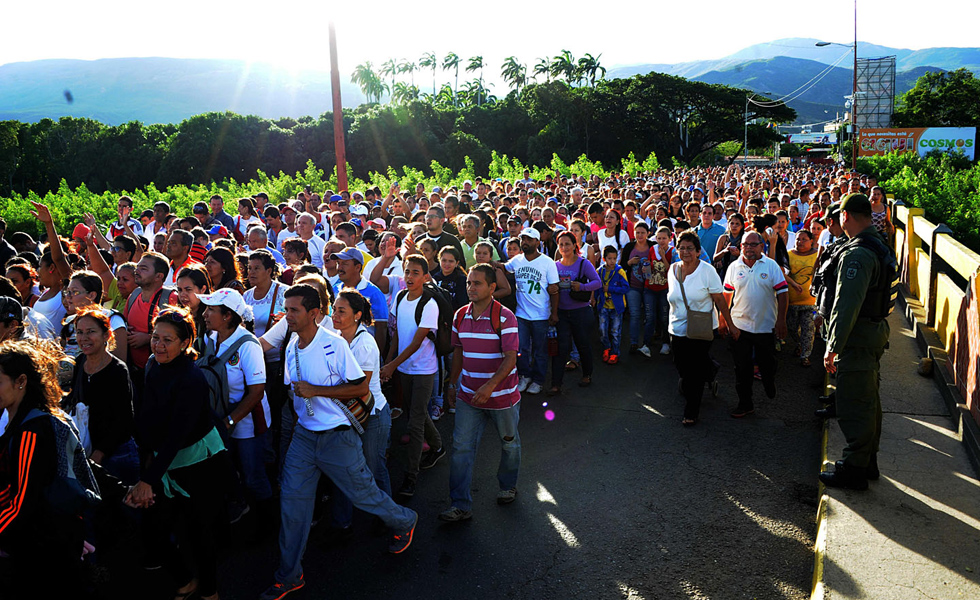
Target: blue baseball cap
[349,254]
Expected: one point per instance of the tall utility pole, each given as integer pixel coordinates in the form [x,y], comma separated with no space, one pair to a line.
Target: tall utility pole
[854,97]
[338,114]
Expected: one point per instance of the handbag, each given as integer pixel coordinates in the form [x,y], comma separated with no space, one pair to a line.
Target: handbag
[700,325]
[357,410]
[580,295]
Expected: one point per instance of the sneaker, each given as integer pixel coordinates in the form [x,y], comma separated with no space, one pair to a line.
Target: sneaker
[430,458]
[237,512]
[279,590]
[506,496]
[756,374]
[605,355]
[713,386]
[665,349]
[436,412]
[407,490]
[395,413]
[644,350]
[522,383]
[151,563]
[534,388]
[401,541]
[452,410]
[613,359]
[770,388]
[454,515]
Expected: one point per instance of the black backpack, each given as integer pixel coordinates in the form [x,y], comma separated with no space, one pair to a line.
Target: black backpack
[441,337]
[214,367]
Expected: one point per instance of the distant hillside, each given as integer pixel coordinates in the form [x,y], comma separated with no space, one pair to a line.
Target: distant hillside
[162,90]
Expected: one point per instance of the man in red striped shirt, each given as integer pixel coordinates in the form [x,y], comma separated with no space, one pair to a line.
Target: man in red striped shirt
[486,344]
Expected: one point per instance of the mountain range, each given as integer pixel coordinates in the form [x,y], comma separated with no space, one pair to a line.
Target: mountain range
[168,90]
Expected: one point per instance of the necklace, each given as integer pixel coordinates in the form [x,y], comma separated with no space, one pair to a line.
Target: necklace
[88,376]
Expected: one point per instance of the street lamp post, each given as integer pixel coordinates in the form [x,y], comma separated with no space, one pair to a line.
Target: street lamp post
[854,87]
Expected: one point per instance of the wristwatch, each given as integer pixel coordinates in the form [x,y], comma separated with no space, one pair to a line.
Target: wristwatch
[231,422]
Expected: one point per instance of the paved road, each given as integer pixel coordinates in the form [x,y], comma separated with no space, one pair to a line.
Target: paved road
[617,500]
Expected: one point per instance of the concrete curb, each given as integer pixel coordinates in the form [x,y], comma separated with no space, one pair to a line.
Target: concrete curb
[817,590]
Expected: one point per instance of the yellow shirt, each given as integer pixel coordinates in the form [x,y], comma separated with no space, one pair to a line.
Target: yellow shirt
[801,271]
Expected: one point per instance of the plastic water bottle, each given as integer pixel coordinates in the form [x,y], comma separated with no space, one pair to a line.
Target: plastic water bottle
[552,341]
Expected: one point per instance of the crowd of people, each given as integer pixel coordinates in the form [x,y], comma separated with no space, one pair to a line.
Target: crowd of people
[218,364]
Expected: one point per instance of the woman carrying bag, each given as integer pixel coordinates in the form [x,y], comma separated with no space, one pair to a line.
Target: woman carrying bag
[693,287]
[577,279]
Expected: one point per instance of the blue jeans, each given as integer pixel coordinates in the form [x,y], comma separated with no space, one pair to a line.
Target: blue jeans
[610,329]
[470,422]
[124,463]
[641,305]
[338,454]
[573,325]
[534,343]
[374,441]
[661,313]
[249,458]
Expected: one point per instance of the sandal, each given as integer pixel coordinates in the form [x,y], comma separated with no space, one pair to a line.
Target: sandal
[571,365]
[586,382]
[178,595]
[554,391]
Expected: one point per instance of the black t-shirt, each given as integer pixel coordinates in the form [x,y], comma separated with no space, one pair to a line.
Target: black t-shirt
[455,284]
[444,239]
[109,396]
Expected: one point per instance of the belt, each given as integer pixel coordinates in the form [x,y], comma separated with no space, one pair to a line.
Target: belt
[337,428]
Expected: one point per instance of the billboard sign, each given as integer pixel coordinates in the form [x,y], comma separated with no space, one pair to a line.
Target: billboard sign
[811,138]
[874,142]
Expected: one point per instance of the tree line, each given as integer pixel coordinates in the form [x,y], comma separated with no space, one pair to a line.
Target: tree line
[677,119]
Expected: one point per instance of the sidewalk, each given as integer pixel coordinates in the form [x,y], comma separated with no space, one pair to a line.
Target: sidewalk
[915,534]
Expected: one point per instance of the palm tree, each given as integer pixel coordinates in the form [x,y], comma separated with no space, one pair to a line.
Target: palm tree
[514,73]
[407,66]
[476,64]
[563,65]
[452,62]
[429,61]
[543,67]
[389,68]
[588,67]
[404,93]
[369,82]
[445,98]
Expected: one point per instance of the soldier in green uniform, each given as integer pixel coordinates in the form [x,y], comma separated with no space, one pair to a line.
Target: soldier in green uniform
[857,333]
[824,287]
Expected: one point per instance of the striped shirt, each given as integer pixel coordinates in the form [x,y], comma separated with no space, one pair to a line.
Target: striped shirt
[483,351]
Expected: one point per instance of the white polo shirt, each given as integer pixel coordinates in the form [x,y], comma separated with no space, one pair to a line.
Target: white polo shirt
[245,367]
[755,288]
[326,361]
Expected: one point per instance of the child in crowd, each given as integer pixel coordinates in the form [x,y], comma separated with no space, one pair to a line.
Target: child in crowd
[611,300]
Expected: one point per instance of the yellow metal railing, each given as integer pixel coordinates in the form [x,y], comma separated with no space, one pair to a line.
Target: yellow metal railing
[944,276]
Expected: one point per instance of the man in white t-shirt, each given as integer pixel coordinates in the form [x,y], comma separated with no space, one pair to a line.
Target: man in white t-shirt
[758,306]
[537,309]
[413,355]
[322,371]
[304,227]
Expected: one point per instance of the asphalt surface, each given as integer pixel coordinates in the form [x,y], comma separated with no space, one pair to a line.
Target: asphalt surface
[616,500]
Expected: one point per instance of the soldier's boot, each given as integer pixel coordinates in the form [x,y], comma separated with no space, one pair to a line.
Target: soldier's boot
[843,476]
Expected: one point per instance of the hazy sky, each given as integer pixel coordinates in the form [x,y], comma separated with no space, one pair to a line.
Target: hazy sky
[293,33]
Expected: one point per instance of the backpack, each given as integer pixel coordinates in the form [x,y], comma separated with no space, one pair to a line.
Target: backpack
[74,489]
[160,299]
[443,337]
[495,313]
[214,367]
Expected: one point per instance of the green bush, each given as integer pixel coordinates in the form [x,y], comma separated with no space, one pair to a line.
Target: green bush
[68,205]
[946,187]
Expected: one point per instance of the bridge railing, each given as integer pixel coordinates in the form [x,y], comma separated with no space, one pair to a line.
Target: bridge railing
[943,275]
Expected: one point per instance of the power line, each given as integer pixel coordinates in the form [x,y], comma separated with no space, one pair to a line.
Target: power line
[800,90]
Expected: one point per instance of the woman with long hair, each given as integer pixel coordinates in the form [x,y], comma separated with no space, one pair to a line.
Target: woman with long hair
[729,244]
[586,251]
[223,269]
[635,260]
[575,317]
[193,281]
[351,317]
[879,213]
[297,253]
[33,532]
[186,463]
[613,234]
[246,216]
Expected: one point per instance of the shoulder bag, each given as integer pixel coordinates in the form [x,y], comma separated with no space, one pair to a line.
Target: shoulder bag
[700,325]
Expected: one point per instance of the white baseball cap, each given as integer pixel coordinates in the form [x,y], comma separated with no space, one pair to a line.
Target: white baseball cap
[358,209]
[229,298]
[531,232]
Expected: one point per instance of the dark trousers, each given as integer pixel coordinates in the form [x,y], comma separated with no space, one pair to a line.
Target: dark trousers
[762,348]
[202,512]
[695,368]
[575,324]
[858,391]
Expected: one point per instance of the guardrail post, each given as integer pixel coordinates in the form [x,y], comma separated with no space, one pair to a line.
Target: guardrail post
[929,297]
[912,243]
